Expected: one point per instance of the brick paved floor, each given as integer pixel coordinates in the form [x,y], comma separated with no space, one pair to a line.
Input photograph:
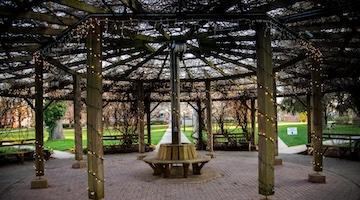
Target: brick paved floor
[128,178]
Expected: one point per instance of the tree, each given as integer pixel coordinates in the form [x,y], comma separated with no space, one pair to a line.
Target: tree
[240,114]
[293,105]
[53,115]
[123,119]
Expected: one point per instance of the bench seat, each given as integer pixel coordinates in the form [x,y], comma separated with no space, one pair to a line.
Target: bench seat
[163,167]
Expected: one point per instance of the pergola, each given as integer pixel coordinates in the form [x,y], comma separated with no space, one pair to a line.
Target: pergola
[111,51]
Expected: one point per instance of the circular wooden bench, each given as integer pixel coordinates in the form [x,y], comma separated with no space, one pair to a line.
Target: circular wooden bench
[163,167]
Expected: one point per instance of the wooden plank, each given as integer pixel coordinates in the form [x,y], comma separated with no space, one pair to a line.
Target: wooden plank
[39,118]
[316,119]
[35,31]
[175,94]
[252,120]
[140,116]
[59,65]
[145,60]
[200,125]
[16,59]
[275,117]
[44,17]
[265,109]
[77,118]
[137,7]
[308,114]
[94,112]
[79,5]
[15,48]
[208,104]
[134,5]
[148,119]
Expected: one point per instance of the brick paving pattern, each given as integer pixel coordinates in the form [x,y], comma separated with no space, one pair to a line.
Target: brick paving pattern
[128,178]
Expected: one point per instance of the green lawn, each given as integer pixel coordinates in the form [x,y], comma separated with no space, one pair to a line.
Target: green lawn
[157,131]
[344,129]
[293,140]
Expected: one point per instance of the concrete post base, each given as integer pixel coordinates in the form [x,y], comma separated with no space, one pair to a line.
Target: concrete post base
[211,154]
[79,164]
[39,182]
[141,156]
[266,198]
[317,177]
[278,161]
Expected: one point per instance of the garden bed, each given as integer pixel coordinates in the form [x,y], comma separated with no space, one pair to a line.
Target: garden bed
[19,155]
[112,149]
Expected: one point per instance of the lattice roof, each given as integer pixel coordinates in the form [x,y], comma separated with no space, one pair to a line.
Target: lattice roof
[220,40]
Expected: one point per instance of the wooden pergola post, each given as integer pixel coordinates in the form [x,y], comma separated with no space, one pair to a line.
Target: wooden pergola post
[175,94]
[252,120]
[208,105]
[148,119]
[200,127]
[94,106]
[79,163]
[40,181]
[266,121]
[308,114]
[140,121]
[316,126]
[277,161]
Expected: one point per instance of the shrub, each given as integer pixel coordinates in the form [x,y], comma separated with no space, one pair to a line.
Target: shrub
[54,112]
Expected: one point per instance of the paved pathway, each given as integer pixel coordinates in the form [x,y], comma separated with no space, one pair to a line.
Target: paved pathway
[167,138]
[283,148]
[55,153]
[129,179]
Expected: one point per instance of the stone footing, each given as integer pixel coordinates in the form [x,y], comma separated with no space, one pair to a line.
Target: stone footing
[317,177]
[278,161]
[79,164]
[141,156]
[211,154]
[39,182]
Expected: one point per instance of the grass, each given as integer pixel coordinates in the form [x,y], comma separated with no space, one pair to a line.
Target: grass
[344,129]
[293,140]
[6,150]
[157,131]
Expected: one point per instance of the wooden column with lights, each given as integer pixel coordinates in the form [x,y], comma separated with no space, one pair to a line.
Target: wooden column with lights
[200,127]
[175,94]
[148,119]
[94,104]
[252,120]
[316,126]
[277,161]
[308,114]
[79,163]
[140,121]
[266,121]
[208,105]
[40,181]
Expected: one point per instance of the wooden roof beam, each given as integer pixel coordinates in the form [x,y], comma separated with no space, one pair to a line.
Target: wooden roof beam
[34,31]
[80,5]
[209,63]
[44,17]
[14,48]
[129,71]
[59,65]
[137,7]
[272,5]
[122,62]
[198,50]
[16,59]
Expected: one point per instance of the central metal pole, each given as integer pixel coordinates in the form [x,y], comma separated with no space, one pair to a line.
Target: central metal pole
[175,53]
